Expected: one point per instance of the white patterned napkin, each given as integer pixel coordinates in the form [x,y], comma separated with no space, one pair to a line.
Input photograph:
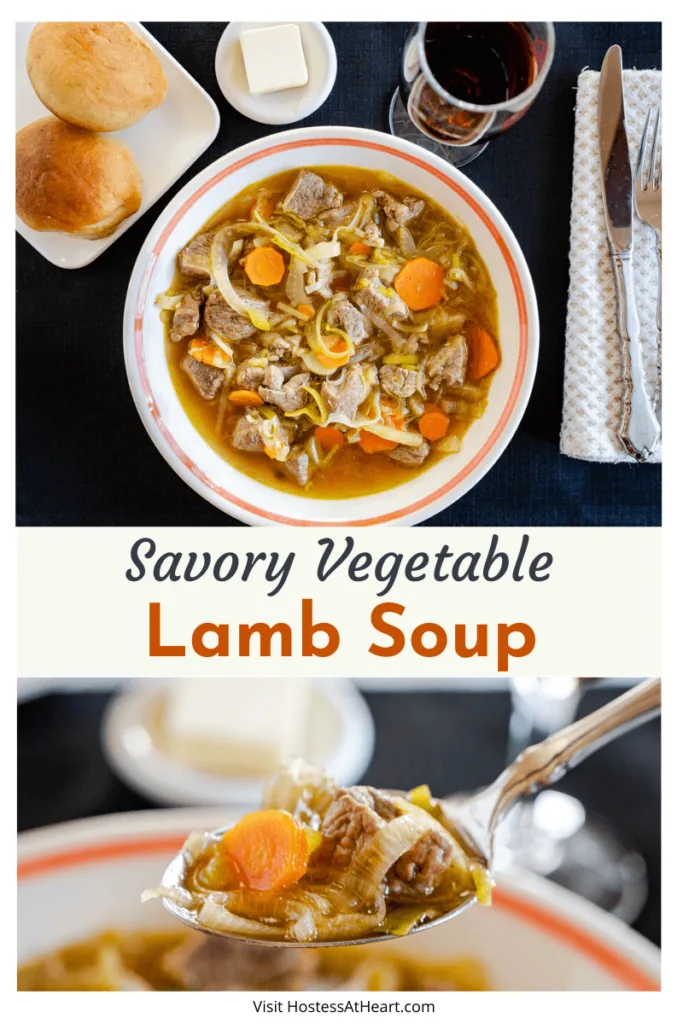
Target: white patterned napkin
[593,384]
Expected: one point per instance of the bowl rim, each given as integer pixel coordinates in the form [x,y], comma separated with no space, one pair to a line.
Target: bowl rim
[137,299]
[610,944]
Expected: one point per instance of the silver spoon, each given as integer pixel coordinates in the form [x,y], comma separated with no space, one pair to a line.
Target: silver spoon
[474,819]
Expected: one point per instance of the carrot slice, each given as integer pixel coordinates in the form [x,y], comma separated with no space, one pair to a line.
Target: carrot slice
[484,355]
[265,266]
[360,248]
[329,437]
[269,849]
[433,423]
[392,413]
[264,205]
[420,283]
[334,360]
[306,310]
[245,398]
[371,443]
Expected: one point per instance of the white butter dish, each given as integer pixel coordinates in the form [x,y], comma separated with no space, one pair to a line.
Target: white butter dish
[286,105]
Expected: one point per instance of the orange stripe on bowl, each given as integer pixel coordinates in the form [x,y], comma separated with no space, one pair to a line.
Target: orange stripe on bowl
[387,517]
[592,948]
[62,860]
[572,935]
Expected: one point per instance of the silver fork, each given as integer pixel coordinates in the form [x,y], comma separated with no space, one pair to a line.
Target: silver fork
[648,199]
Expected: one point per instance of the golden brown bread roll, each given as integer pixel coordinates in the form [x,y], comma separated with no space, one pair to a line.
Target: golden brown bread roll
[73,180]
[94,74]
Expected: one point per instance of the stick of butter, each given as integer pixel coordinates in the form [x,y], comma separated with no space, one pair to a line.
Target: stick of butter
[235,726]
[273,58]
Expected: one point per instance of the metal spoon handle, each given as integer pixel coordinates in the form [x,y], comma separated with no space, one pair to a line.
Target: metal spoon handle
[547,762]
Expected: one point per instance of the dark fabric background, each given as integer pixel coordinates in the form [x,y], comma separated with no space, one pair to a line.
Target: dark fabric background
[84,457]
[454,741]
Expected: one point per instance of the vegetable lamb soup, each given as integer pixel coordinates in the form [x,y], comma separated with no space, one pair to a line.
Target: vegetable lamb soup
[322,863]
[332,330]
[129,961]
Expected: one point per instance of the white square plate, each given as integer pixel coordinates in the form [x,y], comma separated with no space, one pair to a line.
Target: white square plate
[164,144]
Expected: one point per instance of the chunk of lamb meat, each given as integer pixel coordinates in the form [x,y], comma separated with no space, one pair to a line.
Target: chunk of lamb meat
[370,352]
[409,346]
[378,297]
[208,380]
[345,315]
[447,367]
[399,212]
[310,195]
[278,346]
[186,318]
[372,234]
[398,381]
[337,215]
[219,317]
[195,259]
[207,964]
[248,377]
[289,396]
[246,436]
[298,465]
[343,396]
[422,866]
[353,817]
[406,456]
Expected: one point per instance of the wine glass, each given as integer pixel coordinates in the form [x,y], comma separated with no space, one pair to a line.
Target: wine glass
[462,83]
[552,834]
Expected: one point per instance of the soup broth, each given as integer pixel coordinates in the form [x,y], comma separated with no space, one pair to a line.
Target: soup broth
[421,375]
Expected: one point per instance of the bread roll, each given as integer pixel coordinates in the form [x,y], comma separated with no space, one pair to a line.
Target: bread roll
[74,181]
[94,74]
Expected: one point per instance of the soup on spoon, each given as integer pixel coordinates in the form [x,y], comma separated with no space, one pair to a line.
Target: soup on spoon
[325,863]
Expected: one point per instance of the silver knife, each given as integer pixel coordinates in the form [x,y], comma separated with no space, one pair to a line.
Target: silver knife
[639,430]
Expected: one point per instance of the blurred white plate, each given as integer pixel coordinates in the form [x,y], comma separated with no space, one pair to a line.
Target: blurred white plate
[289,105]
[340,739]
[164,144]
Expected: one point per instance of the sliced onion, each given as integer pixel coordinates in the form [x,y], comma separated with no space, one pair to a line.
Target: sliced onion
[351,925]
[219,269]
[217,340]
[382,325]
[218,919]
[405,241]
[367,870]
[181,897]
[312,363]
[274,439]
[323,251]
[294,285]
[409,438]
[165,301]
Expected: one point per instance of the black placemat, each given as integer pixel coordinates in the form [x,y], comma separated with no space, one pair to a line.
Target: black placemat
[83,455]
[453,741]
